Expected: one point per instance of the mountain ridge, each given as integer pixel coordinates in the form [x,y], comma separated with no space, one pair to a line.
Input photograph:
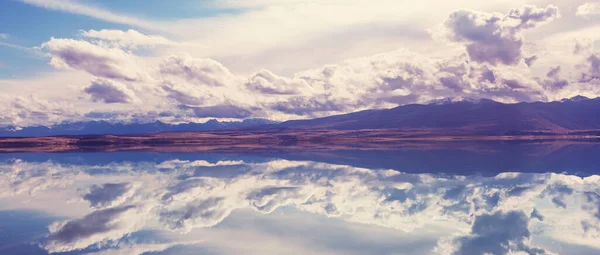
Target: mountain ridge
[481,117]
[447,116]
[104,127]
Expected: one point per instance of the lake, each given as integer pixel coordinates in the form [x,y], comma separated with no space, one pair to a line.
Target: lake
[464,197]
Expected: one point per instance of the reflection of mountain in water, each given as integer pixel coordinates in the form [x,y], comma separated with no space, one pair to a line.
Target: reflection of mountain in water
[461,157]
[499,214]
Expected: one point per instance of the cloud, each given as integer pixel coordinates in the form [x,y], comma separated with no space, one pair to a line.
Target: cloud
[26,111]
[593,68]
[553,80]
[110,63]
[33,51]
[108,195]
[95,228]
[267,82]
[498,233]
[128,39]
[491,37]
[220,111]
[95,12]
[205,72]
[588,9]
[593,198]
[3,36]
[140,248]
[530,60]
[310,105]
[187,94]
[107,91]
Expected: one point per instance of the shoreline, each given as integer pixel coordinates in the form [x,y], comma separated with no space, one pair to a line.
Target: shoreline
[264,140]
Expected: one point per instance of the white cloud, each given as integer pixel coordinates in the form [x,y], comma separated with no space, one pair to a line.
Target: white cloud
[106,62]
[3,36]
[202,72]
[588,9]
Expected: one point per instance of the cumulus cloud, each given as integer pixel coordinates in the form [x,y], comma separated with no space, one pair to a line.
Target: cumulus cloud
[108,91]
[494,38]
[267,82]
[205,72]
[3,36]
[588,9]
[110,63]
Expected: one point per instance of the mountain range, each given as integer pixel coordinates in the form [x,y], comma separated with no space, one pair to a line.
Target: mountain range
[451,116]
[468,116]
[103,127]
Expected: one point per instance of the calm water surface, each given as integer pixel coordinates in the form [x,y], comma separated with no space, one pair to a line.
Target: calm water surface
[486,198]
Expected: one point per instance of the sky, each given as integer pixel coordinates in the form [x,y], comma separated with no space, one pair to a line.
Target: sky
[190,61]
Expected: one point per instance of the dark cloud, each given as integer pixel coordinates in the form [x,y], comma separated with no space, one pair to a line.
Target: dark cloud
[554,80]
[109,92]
[105,195]
[492,38]
[530,60]
[535,214]
[181,96]
[593,68]
[498,233]
[76,234]
[530,16]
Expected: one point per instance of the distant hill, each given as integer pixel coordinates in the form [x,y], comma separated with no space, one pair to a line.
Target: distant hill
[451,116]
[103,127]
[468,116]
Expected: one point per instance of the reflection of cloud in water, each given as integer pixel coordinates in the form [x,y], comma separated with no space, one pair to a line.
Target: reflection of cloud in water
[498,233]
[108,194]
[507,210]
[96,227]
